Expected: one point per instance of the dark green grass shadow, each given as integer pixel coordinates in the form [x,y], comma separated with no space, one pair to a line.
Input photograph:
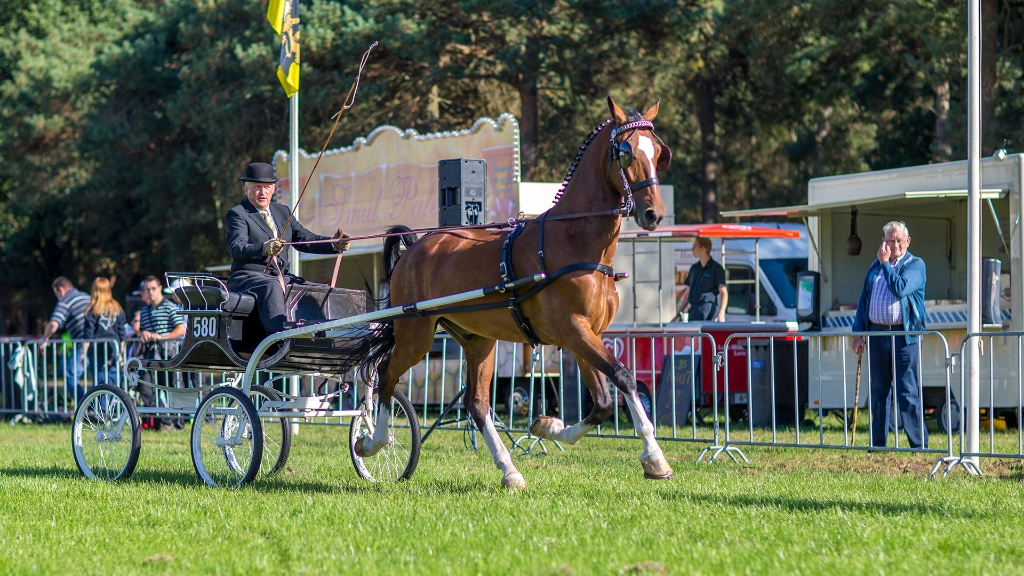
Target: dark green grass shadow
[813,505]
[271,484]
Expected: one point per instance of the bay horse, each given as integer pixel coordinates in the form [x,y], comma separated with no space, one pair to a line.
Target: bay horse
[617,165]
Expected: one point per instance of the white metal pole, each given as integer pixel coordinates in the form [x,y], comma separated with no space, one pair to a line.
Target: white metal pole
[293,188]
[293,168]
[973,222]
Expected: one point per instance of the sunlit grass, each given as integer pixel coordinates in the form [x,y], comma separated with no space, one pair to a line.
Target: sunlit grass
[587,511]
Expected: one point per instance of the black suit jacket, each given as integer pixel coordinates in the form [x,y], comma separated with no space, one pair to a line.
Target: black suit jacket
[247,231]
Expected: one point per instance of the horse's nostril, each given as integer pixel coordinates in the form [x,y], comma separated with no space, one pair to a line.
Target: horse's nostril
[650,216]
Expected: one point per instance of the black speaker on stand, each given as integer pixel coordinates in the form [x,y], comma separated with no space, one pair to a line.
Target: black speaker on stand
[462,192]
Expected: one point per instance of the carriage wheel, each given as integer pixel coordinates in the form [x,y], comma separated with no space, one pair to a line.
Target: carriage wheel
[277,432]
[397,460]
[227,439]
[107,434]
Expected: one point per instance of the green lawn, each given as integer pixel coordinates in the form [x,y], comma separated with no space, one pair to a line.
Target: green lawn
[587,511]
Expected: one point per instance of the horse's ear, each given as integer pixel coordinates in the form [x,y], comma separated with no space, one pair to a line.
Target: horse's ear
[652,111]
[665,158]
[617,114]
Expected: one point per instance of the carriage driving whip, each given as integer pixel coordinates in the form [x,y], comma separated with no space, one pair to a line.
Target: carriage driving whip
[350,100]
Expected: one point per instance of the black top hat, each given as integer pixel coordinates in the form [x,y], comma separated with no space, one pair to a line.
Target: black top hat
[259,172]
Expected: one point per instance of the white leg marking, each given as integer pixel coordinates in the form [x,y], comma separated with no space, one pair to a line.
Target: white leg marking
[643,426]
[646,145]
[381,436]
[502,459]
[574,433]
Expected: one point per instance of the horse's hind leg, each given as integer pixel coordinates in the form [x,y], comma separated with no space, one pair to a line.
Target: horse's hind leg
[413,338]
[480,365]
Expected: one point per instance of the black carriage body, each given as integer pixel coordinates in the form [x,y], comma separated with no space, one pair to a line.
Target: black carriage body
[223,329]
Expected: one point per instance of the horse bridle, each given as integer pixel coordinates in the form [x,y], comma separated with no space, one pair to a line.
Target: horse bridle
[621,153]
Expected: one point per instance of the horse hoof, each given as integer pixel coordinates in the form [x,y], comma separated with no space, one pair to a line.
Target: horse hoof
[657,468]
[546,427]
[514,481]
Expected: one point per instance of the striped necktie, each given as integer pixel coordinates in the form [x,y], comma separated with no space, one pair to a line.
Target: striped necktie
[270,222]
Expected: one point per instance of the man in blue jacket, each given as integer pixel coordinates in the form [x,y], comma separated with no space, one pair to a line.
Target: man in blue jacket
[892,300]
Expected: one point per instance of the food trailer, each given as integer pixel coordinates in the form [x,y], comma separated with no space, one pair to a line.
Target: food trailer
[843,211]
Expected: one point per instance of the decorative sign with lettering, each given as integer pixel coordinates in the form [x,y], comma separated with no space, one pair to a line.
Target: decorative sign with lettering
[390,177]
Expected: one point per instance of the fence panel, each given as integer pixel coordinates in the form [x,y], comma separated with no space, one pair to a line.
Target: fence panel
[784,371]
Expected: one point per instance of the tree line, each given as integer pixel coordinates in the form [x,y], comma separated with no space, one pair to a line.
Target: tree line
[125,123]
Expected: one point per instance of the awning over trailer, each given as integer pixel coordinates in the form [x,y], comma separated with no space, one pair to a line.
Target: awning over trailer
[738,231]
[803,210]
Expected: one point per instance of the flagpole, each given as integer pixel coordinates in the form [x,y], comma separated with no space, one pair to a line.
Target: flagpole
[293,168]
[294,187]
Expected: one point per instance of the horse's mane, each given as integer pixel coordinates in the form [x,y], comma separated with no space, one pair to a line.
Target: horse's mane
[632,115]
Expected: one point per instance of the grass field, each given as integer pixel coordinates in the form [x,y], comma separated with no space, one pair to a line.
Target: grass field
[587,511]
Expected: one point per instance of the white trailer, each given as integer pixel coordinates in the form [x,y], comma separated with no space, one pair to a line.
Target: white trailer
[932,201]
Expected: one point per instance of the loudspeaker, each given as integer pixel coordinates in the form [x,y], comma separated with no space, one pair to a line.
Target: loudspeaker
[808,298]
[462,192]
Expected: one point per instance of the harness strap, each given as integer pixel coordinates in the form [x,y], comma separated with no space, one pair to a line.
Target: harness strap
[644,184]
[411,311]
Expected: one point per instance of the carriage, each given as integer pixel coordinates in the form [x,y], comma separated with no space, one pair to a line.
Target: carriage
[240,428]
[332,333]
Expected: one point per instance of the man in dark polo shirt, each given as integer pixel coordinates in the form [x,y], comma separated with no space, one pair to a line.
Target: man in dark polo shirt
[69,315]
[705,291]
[158,321]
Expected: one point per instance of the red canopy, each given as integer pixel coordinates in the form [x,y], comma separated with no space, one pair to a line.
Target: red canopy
[711,231]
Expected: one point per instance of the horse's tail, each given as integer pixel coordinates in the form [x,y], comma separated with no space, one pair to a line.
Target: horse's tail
[381,341]
[392,249]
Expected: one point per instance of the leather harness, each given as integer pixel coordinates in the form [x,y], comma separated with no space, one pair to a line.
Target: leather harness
[518,225]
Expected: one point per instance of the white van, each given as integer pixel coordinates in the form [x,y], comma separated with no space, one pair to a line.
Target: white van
[780,259]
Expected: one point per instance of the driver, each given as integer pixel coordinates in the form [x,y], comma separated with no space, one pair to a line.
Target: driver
[255,239]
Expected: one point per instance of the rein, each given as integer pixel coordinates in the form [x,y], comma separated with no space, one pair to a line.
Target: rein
[511,223]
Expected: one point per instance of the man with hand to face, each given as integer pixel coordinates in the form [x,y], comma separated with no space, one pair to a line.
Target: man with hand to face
[257,230]
[892,300]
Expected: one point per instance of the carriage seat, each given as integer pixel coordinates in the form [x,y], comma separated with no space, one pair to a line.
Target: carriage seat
[210,298]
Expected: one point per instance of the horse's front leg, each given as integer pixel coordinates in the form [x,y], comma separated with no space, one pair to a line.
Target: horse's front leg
[551,428]
[588,349]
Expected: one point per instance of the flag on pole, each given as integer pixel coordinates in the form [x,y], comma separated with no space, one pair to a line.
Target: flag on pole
[288,27]
[275,15]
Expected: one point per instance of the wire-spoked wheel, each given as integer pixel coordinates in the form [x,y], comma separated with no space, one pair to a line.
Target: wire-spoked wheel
[398,460]
[277,432]
[227,439]
[107,434]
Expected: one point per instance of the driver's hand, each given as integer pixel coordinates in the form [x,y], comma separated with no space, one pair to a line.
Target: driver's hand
[273,247]
[342,244]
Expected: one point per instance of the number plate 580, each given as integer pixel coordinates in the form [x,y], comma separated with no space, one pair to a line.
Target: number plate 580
[204,327]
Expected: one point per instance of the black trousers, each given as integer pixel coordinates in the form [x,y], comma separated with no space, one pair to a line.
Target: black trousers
[266,288]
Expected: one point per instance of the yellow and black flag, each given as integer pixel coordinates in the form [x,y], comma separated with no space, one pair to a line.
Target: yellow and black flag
[284,17]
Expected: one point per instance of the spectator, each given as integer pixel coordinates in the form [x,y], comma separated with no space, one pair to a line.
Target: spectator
[892,300]
[105,320]
[69,314]
[705,291]
[157,321]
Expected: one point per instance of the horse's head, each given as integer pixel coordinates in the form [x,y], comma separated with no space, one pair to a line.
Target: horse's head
[636,156]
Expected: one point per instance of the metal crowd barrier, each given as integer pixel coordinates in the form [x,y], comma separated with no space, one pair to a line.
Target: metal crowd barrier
[771,392]
[528,383]
[751,391]
[1000,396]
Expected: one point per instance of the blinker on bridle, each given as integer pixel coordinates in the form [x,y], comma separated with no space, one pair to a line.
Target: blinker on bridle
[622,153]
